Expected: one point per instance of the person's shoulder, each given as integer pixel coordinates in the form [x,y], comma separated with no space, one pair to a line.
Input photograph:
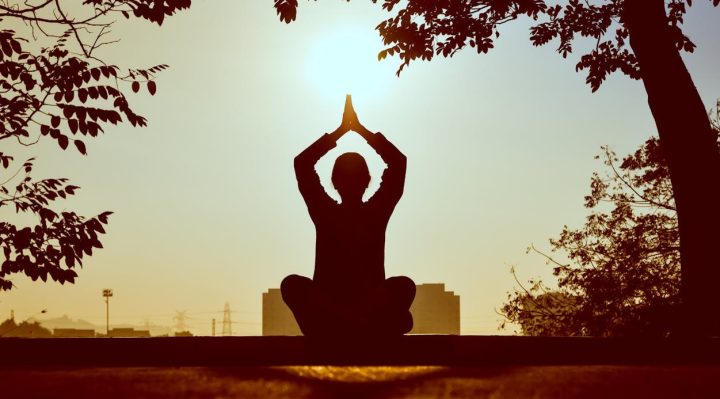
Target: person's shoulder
[327,206]
[375,202]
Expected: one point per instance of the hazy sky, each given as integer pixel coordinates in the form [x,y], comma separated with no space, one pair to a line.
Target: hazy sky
[500,151]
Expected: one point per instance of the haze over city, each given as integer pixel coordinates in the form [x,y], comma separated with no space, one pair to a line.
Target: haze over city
[206,210]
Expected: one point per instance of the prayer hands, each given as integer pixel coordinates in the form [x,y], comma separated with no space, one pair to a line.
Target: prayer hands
[350,121]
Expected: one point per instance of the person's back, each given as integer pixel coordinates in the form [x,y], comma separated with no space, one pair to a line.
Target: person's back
[349,285]
[349,249]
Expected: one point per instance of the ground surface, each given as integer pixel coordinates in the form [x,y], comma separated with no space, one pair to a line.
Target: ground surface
[355,367]
[363,382]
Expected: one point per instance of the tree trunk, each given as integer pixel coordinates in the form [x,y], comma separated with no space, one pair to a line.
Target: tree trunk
[690,147]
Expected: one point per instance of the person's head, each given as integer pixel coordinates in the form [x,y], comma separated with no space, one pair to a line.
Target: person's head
[350,176]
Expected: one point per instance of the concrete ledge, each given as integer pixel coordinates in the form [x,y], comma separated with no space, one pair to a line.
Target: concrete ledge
[445,350]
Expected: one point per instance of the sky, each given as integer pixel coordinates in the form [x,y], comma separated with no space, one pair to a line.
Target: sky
[500,151]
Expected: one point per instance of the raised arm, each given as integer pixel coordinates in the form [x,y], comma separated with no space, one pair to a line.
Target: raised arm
[307,179]
[393,178]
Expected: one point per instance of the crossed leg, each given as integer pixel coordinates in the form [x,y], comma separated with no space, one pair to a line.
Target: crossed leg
[383,311]
[390,307]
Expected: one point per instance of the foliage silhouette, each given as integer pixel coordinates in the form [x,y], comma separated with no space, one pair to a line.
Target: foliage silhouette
[624,272]
[54,87]
[349,293]
[640,38]
[25,329]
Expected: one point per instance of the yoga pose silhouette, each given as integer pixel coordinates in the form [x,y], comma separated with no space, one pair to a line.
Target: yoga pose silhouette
[349,293]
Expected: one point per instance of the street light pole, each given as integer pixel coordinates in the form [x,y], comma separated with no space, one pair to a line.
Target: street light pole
[107,293]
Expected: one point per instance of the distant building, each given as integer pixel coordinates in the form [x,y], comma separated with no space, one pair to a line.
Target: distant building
[128,333]
[435,311]
[73,333]
[277,317]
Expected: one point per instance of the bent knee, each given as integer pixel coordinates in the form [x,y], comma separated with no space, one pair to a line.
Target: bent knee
[402,284]
[294,286]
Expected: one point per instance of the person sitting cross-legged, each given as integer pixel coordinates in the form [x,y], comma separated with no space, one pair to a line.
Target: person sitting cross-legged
[349,293]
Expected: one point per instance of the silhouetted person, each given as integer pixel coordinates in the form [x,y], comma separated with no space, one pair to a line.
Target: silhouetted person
[349,293]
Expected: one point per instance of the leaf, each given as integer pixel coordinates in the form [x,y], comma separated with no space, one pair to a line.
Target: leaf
[73,125]
[63,141]
[55,121]
[70,276]
[92,128]
[151,87]
[80,147]
[69,257]
[103,217]
[16,46]
[48,214]
[6,48]
[68,111]
[96,225]
[135,86]
[286,10]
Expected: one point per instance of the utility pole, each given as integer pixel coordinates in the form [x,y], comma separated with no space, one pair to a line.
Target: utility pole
[213,328]
[107,293]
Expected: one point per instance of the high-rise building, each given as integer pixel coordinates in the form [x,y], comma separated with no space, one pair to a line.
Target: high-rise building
[434,310]
[277,317]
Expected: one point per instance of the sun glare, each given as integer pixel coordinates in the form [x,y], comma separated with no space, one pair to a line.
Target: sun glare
[345,61]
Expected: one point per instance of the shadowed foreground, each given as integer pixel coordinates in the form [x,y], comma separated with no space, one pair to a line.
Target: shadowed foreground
[409,350]
[364,382]
[406,367]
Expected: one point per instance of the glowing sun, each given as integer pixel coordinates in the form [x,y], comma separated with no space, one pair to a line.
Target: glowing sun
[345,61]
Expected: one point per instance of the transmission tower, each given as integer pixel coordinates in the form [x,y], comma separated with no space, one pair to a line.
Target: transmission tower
[227,323]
